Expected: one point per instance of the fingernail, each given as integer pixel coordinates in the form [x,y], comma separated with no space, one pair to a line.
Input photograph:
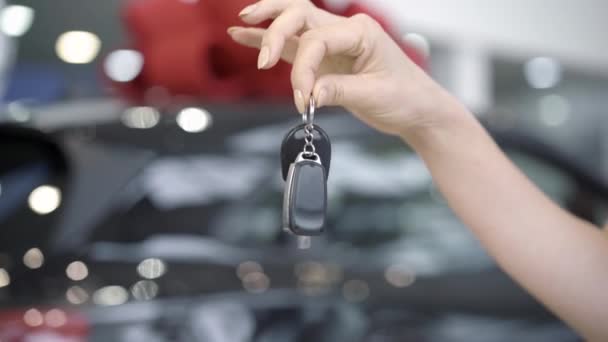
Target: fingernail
[248,10]
[264,56]
[299,97]
[231,30]
[321,96]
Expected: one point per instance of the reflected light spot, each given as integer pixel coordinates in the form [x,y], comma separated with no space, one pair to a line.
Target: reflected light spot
[193,120]
[399,276]
[44,199]
[419,42]
[33,258]
[554,110]
[144,290]
[55,318]
[5,278]
[123,65]
[16,20]
[141,117]
[152,268]
[355,291]
[247,267]
[33,318]
[110,295]
[256,282]
[77,271]
[543,72]
[76,295]
[77,47]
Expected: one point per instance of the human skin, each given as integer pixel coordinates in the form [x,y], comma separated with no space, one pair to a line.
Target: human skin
[351,62]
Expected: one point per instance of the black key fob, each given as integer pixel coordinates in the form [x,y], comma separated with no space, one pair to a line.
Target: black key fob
[305,197]
[293,142]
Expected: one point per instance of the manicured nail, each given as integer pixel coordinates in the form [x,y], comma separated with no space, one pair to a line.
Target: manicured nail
[248,10]
[321,97]
[264,57]
[231,30]
[299,97]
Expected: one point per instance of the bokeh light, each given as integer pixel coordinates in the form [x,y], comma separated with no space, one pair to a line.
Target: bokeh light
[554,110]
[16,20]
[77,271]
[543,72]
[141,117]
[111,295]
[399,276]
[256,282]
[194,120]
[5,278]
[123,65]
[78,47]
[44,199]
[33,258]
[244,268]
[314,278]
[151,268]
[76,295]
[33,318]
[55,318]
[144,290]
[18,112]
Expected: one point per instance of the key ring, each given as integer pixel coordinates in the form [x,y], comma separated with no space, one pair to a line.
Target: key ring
[309,116]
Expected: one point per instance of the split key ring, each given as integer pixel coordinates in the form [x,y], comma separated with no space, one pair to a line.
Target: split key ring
[309,116]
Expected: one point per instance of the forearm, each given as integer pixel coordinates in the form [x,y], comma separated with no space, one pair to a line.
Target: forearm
[559,258]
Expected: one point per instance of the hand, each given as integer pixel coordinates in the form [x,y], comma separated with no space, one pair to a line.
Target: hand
[349,62]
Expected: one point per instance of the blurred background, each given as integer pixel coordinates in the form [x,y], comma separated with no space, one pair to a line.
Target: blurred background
[140,185]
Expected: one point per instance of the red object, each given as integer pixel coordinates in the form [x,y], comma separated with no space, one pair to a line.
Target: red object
[188,52]
[43,325]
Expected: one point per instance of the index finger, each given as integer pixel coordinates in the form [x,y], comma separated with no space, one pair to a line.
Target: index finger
[345,38]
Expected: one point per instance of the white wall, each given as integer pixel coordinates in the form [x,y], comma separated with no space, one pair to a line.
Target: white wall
[574,31]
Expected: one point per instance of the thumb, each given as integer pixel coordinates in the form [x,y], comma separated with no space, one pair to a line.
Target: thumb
[339,90]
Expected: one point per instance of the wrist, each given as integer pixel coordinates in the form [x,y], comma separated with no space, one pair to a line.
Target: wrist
[446,123]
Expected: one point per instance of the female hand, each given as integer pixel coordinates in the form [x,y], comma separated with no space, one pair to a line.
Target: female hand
[349,62]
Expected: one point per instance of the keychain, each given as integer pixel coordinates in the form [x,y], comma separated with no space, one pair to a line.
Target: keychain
[305,196]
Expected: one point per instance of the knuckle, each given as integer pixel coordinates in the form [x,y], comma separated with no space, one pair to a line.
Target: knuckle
[308,36]
[338,93]
[312,38]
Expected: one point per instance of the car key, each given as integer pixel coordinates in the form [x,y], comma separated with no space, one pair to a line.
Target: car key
[295,139]
[305,196]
